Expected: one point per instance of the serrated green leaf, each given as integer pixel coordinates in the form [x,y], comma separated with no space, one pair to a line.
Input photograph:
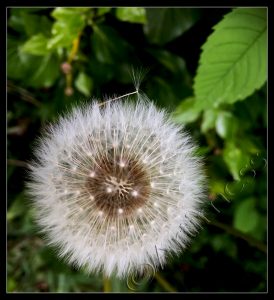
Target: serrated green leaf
[131,14]
[246,217]
[233,62]
[84,84]
[36,45]
[186,112]
[165,24]
[226,125]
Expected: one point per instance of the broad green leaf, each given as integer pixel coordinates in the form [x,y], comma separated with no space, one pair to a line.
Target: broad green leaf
[70,22]
[235,159]
[36,45]
[246,217]
[108,46]
[84,84]
[233,62]
[131,14]
[186,112]
[226,125]
[165,24]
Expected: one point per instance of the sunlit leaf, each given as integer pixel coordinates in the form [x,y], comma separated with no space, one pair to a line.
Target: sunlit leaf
[36,45]
[226,125]
[186,112]
[131,14]
[233,61]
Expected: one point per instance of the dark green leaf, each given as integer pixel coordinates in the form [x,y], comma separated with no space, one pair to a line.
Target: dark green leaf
[233,62]
[108,46]
[165,24]
[46,73]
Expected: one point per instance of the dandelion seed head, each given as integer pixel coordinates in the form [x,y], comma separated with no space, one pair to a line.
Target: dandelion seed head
[124,179]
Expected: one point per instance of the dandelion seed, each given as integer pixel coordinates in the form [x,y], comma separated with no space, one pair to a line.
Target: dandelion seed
[111,178]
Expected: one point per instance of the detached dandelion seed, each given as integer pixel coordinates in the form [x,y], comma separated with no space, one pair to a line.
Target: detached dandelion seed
[112,183]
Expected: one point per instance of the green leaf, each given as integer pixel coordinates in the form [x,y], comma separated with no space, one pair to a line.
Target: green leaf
[17,61]
[246,217]
[17,208]
[70,22]
[63,13]
[108,46]
[233,62]
[24,21]
[186,112]
[46,73]
[235,159]
[131,14]
[172,62]
[35,24]
[226,125]
[166,24]
[36,45]
[209,120]
[84,84]
[103,10]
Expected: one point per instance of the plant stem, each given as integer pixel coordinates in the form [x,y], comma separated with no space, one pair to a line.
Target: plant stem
[107,285]
[253,242]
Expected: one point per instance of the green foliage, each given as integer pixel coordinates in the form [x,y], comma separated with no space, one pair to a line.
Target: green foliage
[164,25]
[233,61]
[60,57]
[131,14]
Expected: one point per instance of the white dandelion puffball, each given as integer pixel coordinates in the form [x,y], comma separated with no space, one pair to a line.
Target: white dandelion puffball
[117,187]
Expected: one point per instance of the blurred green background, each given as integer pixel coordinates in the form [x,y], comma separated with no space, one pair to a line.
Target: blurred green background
[58,57]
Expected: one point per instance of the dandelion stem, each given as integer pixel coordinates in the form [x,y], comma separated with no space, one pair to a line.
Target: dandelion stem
[107,285]
[166,285]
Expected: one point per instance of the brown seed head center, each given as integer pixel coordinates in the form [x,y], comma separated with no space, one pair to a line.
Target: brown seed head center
[118,185]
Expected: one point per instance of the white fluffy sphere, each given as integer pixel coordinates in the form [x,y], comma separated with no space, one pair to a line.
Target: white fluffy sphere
[117,187]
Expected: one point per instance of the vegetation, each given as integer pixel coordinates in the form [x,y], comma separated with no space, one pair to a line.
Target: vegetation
[208,68]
